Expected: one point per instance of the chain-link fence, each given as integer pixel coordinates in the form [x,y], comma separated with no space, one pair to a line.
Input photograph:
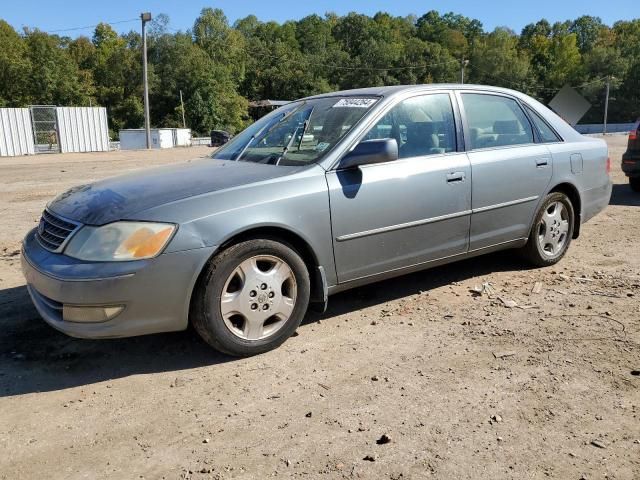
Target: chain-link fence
[45,128]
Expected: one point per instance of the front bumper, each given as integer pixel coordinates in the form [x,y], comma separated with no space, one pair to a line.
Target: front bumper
[631,163]
[155,292]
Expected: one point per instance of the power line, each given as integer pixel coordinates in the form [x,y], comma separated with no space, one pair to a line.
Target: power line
[357,68]
[345,67]
[92,26]
[336,67]
[534,86]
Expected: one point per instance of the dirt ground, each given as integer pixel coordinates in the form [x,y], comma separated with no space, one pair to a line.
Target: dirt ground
[462,385]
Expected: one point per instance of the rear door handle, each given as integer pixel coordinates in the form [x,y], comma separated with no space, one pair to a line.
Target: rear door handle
[455,177]
[542,162]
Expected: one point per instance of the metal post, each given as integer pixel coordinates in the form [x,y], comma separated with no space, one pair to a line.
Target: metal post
[463,63]
[606,105]
[184,124]
[145,17]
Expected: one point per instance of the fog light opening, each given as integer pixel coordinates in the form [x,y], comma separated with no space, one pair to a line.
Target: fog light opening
[93,314]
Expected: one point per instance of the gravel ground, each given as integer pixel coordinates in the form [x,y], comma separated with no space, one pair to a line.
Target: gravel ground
[418,377]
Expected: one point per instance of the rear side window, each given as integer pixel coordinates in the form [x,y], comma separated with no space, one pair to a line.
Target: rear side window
[547,135]
[495,121]
[422,125]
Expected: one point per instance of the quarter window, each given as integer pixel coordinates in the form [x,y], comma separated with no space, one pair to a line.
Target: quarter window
[546,134]
[422,125]
[495,121]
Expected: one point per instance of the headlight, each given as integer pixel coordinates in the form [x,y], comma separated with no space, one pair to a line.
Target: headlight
[120,241]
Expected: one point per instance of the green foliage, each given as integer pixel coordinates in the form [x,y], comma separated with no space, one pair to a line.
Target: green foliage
[499,61]
[53,77]
[219,67]
[15,67]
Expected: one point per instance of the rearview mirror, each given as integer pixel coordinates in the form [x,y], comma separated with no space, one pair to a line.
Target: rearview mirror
[371,151]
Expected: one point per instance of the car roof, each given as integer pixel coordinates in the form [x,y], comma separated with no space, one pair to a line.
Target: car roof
[562,127]
[391,90]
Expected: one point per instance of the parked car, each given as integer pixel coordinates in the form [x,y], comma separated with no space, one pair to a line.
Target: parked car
[324,194]
[631,158]
[219,137]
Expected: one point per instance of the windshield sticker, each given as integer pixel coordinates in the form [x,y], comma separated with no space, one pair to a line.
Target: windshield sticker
[355,103]
[322,146]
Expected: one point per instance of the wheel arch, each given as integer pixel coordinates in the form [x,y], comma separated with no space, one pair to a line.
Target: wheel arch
[284,235]
[300,244]
[572,192]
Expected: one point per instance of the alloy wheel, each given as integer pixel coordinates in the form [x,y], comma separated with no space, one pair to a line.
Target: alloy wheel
[553,229]
[258,297]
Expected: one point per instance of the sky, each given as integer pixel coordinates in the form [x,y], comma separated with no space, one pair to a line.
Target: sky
[53,15]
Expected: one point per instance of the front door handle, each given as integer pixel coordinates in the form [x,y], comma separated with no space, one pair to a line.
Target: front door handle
[542,162]
[455,177]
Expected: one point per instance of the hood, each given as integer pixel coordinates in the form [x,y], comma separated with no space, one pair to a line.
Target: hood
[121,197]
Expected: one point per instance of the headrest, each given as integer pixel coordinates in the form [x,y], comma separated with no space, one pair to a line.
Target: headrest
[419,131]
[506,127]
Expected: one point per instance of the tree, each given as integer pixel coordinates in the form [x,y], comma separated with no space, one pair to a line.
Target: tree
[587,30]
[211,100]
[117,75]
[564,59]
[497,60]
[15,68]
[224,45]
[54,77]
[219,67]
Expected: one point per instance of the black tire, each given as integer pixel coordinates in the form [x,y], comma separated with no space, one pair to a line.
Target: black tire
[206,315]
[532,251]
[634,183]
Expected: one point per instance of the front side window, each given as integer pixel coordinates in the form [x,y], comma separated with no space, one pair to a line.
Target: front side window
[297,134]
[547,135]
[495,121]
[421,125]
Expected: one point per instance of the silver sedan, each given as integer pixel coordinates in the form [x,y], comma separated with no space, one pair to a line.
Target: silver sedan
[322,195]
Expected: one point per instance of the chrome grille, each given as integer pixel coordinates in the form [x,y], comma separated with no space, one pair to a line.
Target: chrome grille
[53,231]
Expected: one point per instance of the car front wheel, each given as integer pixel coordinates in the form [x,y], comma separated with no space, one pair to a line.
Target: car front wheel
[251,298]
[552,231]
[634,183]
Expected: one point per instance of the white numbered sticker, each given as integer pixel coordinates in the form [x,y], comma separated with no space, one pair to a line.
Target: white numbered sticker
[355,103]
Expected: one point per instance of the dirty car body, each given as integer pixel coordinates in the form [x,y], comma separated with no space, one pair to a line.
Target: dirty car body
[427,189]
[631,157]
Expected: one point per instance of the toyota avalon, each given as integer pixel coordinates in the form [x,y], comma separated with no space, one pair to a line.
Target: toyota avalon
[324,194]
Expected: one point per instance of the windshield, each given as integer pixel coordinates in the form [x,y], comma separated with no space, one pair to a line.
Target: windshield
[298,133]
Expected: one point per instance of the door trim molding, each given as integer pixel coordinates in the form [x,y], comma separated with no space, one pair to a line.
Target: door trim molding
[426,221]
[396,272]
[505,204]
[401,226]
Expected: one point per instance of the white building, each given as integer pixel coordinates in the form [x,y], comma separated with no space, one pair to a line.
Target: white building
[135,138]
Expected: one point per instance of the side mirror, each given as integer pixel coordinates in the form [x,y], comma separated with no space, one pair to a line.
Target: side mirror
[371,151]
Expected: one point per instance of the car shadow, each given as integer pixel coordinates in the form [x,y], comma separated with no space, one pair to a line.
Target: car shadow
[36,358]
[414,283]
[621,194]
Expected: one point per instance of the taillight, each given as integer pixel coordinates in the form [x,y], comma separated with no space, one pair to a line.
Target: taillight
[608,166]
[633,135]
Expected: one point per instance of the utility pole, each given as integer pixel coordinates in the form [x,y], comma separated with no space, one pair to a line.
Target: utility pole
[145,17]
[463,63]
[184,124]
[606,103]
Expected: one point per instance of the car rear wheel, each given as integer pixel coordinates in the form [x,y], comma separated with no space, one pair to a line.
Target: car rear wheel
[251,298]
[634,183]
[552,231]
